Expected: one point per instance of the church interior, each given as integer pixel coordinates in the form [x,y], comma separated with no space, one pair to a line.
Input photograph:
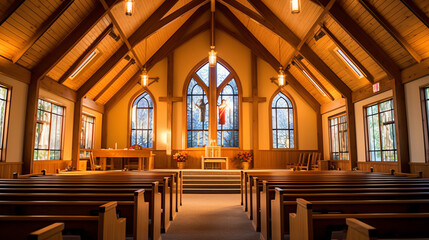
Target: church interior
[143,119]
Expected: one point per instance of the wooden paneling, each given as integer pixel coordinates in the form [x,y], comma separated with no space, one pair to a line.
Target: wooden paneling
[420,167]
[340,164]
[378,166]
[194,158]
[276,159]
[51,166]
[8,168]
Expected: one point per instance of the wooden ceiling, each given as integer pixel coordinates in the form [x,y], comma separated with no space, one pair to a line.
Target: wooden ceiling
[50,38]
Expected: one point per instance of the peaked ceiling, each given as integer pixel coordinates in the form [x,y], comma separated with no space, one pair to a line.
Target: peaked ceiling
[51,38]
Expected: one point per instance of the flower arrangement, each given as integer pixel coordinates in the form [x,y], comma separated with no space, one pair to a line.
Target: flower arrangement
[245,156]
[180,156]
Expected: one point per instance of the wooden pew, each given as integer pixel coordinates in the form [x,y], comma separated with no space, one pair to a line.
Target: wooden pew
[304,225]
[105,226]
[51,232]
[150,195]
[136,212]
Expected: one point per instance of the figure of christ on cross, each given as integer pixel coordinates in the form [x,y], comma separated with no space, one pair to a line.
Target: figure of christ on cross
[202,107]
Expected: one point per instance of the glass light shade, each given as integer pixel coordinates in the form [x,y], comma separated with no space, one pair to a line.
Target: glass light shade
[212,57]
[295,6]
[129,7]
[144,78]
[281,77]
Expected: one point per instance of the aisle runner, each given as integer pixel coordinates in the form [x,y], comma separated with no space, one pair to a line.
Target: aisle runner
[211,217]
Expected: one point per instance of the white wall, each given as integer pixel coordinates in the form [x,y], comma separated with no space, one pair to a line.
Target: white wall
[360,129]
[18,106]
[414,119]
[325,128]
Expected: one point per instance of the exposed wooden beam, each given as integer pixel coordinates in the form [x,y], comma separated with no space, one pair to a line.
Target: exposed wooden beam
[12,8]
[88,103]
[366,91]
[303,68]
[417,11]
[85,54]
[119,74]
[389,28]
[43,28]
[54,87]
[343,48]
[173,42]
[334,105]
[14,71]
[102,71]
[415,71]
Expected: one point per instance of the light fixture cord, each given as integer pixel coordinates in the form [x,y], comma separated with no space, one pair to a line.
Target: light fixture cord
[280,54]
[145,52]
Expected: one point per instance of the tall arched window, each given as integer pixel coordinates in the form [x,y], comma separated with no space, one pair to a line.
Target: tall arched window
[212,92]
[282,114]
[142,121]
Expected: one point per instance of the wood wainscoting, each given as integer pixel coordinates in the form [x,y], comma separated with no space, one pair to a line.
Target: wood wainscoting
[194,158]
[276,159]
[378,166]
[8,168]
[340,164]
[420,167]
[50,166]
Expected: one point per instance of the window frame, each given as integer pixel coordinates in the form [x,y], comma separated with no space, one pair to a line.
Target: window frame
[425,120]
[62,131]
[295,122]
[6,121]
[367,151]
[130,117]
[330,136]
[206,89]
[83,151]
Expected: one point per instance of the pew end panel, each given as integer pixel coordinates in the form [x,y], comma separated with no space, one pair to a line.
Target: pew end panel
[301,224]
[51,232]
[358,230]
[141,216]
[109,226]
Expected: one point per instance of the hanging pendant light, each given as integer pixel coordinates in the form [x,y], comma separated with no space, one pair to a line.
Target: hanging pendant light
[295,6]
[129,7]
[281,77]
[144,78]
[212,53]
[212,56]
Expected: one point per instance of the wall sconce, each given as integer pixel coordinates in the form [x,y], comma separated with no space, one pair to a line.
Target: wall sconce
[144,78]
[281,77]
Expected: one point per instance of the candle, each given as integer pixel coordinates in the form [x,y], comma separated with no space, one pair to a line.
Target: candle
[116,145]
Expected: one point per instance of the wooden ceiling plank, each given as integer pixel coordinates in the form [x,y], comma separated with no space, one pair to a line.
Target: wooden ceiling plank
[131,62]
[303,68]
[52,58]
[343,48]
[390,29]
[43,28]
[253,43]
[416,11]
[168,46]
[363,39]
[146,28]
[12,8]
[102,71]
[85,54]
[250,13]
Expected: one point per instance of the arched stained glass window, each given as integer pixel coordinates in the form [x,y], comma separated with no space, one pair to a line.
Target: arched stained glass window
[208,96]
[197,115]
[227,119]
[142,121]
[282,122]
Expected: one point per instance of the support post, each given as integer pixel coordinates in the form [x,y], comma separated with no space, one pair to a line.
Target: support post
[170,115]
[351,130]
[255,106]
[77,126]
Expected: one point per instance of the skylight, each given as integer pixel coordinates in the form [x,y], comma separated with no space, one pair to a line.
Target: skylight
[84,63]
[346,59]
[314,83]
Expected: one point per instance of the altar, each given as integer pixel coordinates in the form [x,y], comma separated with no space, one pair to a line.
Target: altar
[213,159]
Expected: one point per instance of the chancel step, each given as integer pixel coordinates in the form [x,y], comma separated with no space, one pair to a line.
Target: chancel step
[211,182]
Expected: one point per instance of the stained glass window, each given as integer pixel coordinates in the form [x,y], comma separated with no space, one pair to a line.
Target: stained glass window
[4,95]
[142,121]
[338,138]
[282,122]
[198,107]
[227,133]
[381,132]
[49,131]
[197,115]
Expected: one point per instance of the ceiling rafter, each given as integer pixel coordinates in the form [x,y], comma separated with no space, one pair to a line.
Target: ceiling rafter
[363,39]
[57,54]
[390,29]
[343,48]
[85,54]
[259,49]
[176,40]
[416,11]
[43,28]
[12,8]
[283,31]
[113,80]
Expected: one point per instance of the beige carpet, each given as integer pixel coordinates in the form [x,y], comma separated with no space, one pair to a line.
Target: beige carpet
[211,217]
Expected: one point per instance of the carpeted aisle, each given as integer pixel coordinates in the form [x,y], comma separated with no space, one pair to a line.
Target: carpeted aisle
[211,217]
